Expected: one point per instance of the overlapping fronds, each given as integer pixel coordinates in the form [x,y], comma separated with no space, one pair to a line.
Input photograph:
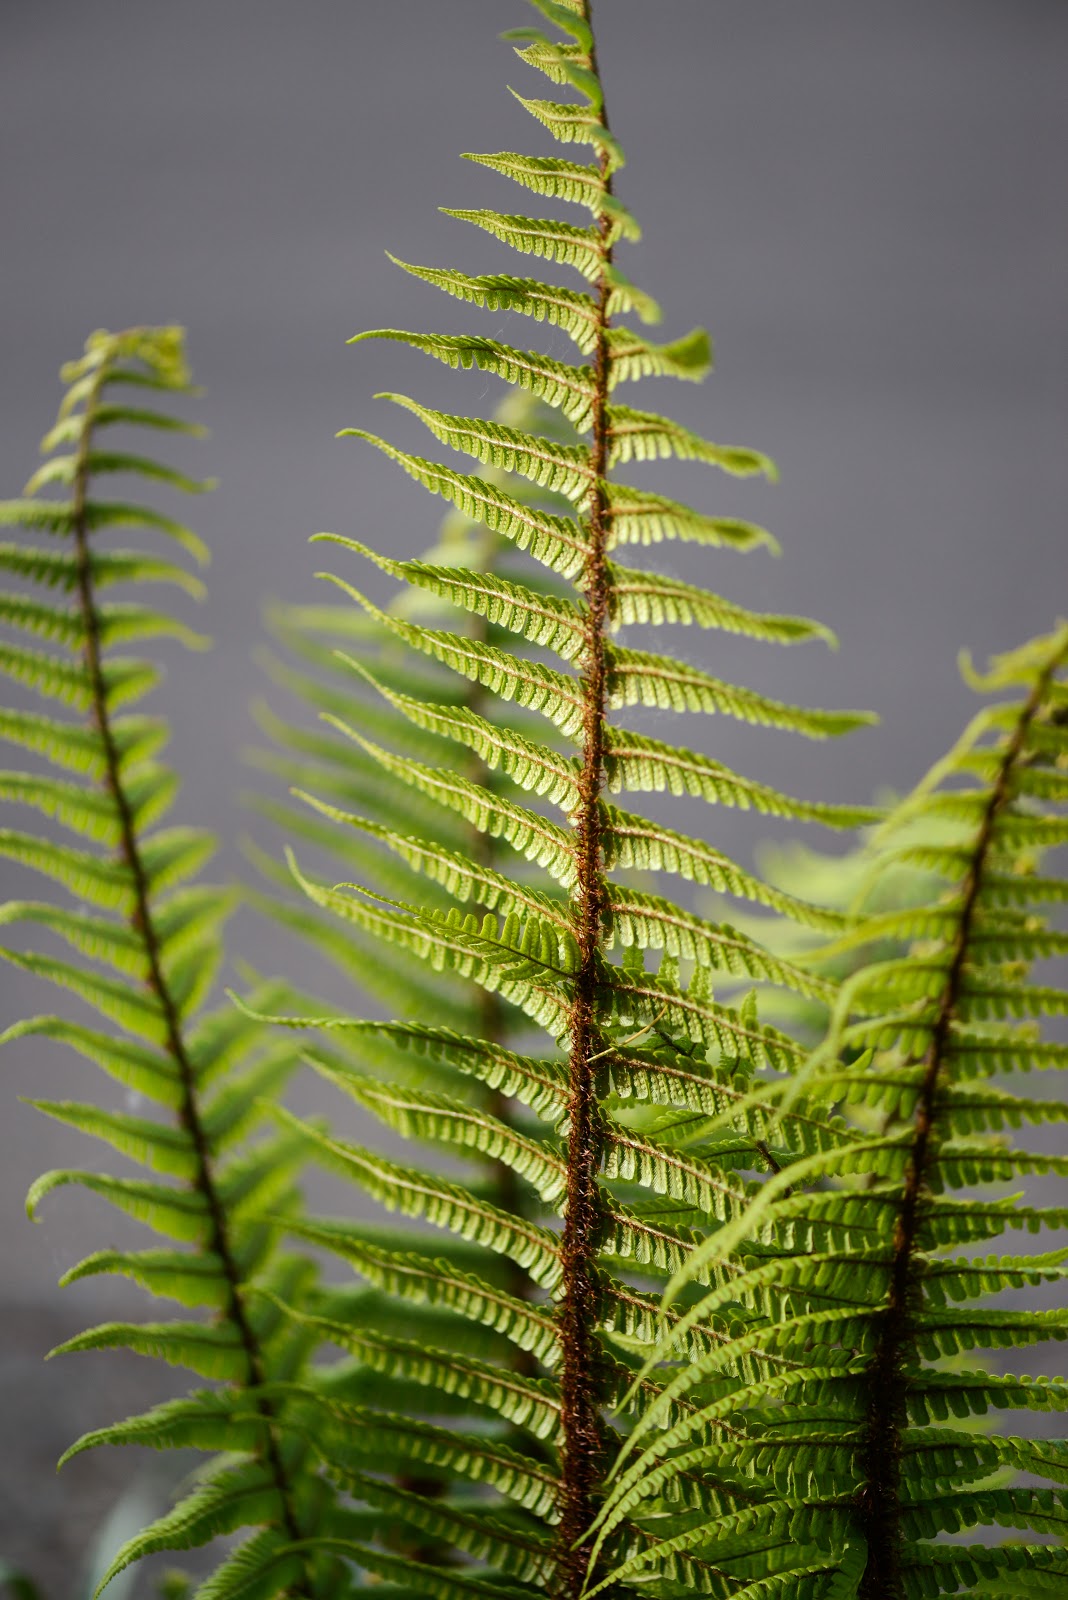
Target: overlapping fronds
[482,887]
[851,1284]
[141,944]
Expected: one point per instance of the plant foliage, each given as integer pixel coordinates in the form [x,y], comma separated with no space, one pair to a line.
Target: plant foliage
[141,938]
[688,1165]
[859,1300]
[480,750]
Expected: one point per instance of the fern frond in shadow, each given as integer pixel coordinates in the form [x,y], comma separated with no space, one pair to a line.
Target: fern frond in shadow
[145,937]
[863,1295]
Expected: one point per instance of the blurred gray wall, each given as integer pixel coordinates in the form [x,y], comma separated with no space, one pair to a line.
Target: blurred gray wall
[865,202]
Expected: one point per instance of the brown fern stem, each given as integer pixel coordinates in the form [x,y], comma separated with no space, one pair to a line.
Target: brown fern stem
[878,1502]
[143,924]
[583,1431]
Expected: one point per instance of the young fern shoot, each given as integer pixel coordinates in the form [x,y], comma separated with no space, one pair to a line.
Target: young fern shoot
[639,1060]
[157,936]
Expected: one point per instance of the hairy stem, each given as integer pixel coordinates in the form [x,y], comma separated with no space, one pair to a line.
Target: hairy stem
[583,1436]
[879,1501]
[141,920]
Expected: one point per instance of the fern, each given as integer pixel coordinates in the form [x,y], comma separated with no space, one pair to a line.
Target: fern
[860,1451]
[146,945]
[679,1294]
[480,754]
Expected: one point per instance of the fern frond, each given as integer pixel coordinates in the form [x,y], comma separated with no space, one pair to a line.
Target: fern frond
[136,913]
[929,1010]
[670,1105]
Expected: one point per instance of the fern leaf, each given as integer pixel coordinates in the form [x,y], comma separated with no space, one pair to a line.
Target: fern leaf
[192,1280]
[555,179]
[635,761]
[150,1144]
[522,1402]
[576,124]
[444,1204]
[652,597]
[533,766]
[480,1459]
[463,878]
[426,1281]
[211,1352]
[556,541]
[568,388]
[568,309]
[644,436]
[631,841]
[639,678]
[539,236]
[526,831]
[437,1119]
[541,619]
[266,1566]
[145,1072]
[640,517]
[513,1550]
[228,1500]
[441,1583]
[648,922]
[175,1213]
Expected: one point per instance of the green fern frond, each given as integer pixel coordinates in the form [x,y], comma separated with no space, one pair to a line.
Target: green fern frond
[135,912]
[932,1010]
[602,1167]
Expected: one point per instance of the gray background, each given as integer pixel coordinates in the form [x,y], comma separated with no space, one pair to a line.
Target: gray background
[864,202]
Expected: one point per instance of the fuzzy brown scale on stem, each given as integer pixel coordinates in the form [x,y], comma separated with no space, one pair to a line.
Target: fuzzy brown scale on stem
[878,1503]
[142,922]
[584,1441]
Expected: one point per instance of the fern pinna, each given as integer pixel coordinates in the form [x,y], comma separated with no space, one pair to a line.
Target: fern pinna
[862,1294]
[620,1175]
[149,939]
